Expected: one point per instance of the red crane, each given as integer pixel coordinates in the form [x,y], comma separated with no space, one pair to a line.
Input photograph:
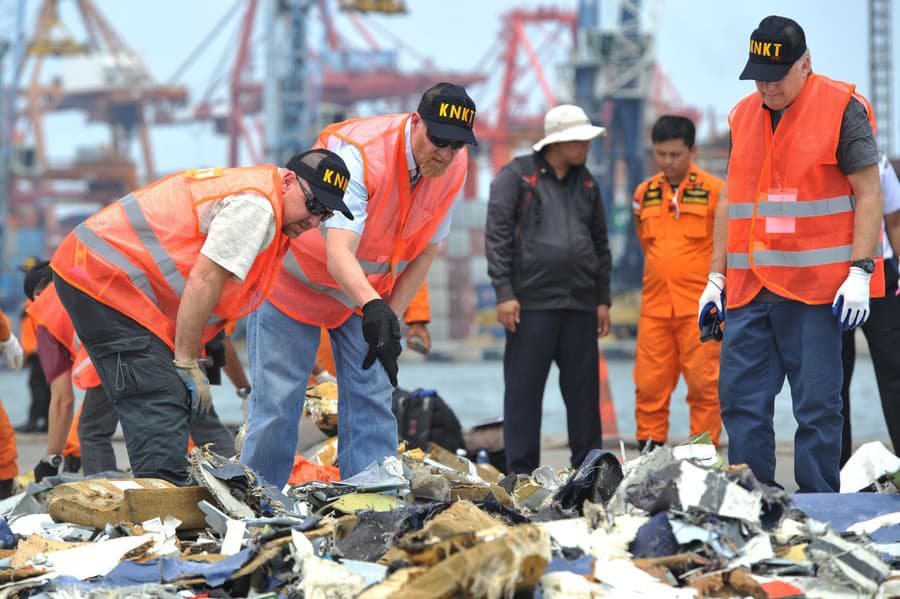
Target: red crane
[516,117]
[348,75]
[107,81]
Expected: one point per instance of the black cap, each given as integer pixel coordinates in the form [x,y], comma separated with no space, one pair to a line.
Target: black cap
[326,174]
[29,263]
[448,112]
[38,275]
[775,46]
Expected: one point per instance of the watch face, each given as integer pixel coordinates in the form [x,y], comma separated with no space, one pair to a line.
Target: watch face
[55,460]
[867,264]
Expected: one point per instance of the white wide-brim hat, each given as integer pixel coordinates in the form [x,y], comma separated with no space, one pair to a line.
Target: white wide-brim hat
[567,123]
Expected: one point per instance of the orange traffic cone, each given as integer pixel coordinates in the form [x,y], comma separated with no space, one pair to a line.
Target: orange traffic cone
[608,422]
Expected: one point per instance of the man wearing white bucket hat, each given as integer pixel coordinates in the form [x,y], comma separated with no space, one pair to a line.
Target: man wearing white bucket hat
[549,261]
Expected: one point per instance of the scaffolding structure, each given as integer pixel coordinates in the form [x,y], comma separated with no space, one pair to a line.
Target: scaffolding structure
[881,67]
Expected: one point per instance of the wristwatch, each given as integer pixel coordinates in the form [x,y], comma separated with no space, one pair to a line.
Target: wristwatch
[243,392]
[54,459]
[866,264]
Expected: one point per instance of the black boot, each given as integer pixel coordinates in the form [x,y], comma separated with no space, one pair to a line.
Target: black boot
[71,463]
[649,445]
[6,488]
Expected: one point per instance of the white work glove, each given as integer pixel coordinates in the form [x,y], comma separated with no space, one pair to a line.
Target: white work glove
[851,302]
[712,298]
[12,351]
[325,377]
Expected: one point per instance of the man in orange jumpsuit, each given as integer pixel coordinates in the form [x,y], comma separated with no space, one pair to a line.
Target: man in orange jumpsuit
[673,213]
[13,354]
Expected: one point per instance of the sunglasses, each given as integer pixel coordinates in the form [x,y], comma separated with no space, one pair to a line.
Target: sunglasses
[440,142]
[315,207]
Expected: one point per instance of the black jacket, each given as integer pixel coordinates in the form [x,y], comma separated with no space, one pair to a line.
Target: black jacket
[545,239]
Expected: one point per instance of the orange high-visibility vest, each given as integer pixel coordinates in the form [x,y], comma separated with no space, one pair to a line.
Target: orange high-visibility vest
[400,223]
[790,208]
[47,311]
[8,451]
[135,255]
[28,333]
[84,375]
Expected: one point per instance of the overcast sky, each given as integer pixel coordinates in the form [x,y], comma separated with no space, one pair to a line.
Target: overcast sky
[701,45]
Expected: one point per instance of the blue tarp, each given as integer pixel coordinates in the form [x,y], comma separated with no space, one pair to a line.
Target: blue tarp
[168,569]
[843,510]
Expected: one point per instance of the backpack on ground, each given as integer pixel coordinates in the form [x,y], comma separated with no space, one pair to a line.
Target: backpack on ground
[423,417]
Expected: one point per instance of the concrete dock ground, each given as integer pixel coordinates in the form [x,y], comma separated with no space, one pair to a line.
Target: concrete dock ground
[554,452]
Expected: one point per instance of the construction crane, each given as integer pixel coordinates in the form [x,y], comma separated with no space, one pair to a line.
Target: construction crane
[286,97]
[101,77]
[95,73]
[881,70]
[613,77]
[382,6]
[526,37]
[308,86]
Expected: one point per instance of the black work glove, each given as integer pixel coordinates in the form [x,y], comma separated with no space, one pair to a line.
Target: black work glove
[215,349]
[381,330]
[48,466]
[215,358]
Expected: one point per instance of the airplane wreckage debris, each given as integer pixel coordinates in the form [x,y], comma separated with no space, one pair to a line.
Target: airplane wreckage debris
[669,523]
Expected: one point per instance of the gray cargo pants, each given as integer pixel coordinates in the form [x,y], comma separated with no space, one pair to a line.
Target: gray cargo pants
[99,421]
[140,380]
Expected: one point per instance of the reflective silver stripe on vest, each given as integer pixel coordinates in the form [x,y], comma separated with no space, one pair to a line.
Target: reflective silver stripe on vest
[84,364]
[736,260]
[796,259]
[827,207]
[145,233]
[137,276]
[374,268]
[151,242]
[161,257]
[803,258]
[293,267]
[742,210]
[402,265]
[807,208]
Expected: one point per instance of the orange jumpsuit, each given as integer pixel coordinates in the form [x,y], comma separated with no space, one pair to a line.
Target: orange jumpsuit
[675,228]
[419,310]
[8,451]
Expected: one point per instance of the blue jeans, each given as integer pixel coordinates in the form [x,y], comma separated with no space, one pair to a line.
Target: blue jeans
[762,343]
[282,352]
